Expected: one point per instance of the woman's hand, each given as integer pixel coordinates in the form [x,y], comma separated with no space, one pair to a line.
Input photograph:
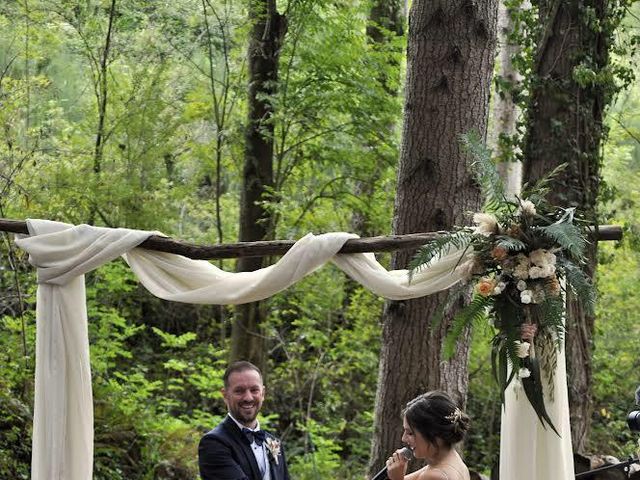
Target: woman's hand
[397,465]
[528,331]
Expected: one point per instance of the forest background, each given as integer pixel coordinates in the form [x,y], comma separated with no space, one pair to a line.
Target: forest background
[134,114]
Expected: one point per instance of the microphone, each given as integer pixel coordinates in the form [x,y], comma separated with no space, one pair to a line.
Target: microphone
[382,474]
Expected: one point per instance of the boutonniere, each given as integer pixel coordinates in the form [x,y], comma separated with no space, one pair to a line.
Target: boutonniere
[273,446]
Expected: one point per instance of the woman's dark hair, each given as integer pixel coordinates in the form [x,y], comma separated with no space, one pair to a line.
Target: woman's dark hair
[435,415]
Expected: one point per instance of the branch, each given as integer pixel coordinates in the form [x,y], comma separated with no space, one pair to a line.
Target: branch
[387,243]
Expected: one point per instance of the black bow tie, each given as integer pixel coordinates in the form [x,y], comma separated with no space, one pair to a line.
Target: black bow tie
[257,436]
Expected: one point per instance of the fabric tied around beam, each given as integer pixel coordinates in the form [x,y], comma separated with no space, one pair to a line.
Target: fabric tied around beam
[63,253]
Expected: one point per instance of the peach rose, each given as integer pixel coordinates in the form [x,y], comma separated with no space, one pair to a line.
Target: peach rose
[485,286]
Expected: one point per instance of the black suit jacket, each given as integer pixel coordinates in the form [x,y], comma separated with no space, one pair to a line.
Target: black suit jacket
[225,454]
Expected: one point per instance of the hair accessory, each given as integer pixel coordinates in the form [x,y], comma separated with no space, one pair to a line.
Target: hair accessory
[455,417]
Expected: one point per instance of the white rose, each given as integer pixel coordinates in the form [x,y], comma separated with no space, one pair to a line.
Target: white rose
[538,257]
[549,270]
[526,296]
[499,288]
[521,285]
[522,348]
[524,373]
[487,223]
[551,258]
[536,272]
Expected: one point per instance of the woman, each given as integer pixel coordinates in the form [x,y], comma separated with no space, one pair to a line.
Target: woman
[433,424]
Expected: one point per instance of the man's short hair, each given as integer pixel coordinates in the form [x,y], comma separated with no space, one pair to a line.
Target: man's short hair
[239,366]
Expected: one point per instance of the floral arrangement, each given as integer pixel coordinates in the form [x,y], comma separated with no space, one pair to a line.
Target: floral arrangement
[273,446]
[523,253]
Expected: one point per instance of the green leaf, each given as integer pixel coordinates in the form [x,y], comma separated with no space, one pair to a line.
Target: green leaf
[581,286]
[551,317]
[533,389]
[476,311]
[537,192]
[484,171]
[500,364]
[439,246]
[568,236]
[510,243]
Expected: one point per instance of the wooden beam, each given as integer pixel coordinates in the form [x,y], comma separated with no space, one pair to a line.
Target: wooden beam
[280,247]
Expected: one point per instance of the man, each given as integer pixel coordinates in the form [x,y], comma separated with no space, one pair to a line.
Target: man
[237,449]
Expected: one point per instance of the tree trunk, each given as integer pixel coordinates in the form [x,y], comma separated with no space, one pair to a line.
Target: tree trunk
[565,125]
[449,66]
[505,112]
[247,340]
[102,91]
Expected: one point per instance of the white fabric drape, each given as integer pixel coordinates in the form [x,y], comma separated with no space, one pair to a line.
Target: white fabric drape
[63,404]
[529,451]
[63,412]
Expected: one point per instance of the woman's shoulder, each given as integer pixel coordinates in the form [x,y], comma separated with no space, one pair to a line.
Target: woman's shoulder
[435,473]
[432,474]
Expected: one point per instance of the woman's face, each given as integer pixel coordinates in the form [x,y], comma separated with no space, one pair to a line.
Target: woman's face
[422,448]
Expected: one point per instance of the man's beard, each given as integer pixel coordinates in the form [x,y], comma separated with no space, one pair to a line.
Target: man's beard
[245,417]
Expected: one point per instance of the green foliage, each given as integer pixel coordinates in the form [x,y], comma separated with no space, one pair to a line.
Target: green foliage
[484,171]
[442,245]
[475,313]
[322,460]
[581,286]
[568,236]
[316,369]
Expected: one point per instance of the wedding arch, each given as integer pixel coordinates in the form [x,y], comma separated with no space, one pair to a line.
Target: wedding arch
[63,253]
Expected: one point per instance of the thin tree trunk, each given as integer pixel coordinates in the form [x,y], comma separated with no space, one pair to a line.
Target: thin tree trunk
[102,91]
[247,340]
[505,112]
[450,54]
[565,125]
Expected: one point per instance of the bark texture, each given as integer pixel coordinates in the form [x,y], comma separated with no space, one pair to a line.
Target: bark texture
[269,27]
[449,66]
[565,125]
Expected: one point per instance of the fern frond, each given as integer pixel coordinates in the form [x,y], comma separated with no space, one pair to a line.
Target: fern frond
[475,312]
[581,286]
[457,293]
[438,247]
[551,317]
[484,171]
[568,237]
[510,243]
[540,189]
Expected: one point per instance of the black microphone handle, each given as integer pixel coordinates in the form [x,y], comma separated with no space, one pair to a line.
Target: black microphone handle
[382,474]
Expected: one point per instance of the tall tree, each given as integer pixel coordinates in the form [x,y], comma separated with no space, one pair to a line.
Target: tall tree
[564,125]
[449,67]
[267,33]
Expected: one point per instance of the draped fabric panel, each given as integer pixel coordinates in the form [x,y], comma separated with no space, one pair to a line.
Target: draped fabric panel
[528,450]
[62,253]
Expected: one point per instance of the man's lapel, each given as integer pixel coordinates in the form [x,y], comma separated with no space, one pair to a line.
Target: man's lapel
[275,467]
[244,447]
